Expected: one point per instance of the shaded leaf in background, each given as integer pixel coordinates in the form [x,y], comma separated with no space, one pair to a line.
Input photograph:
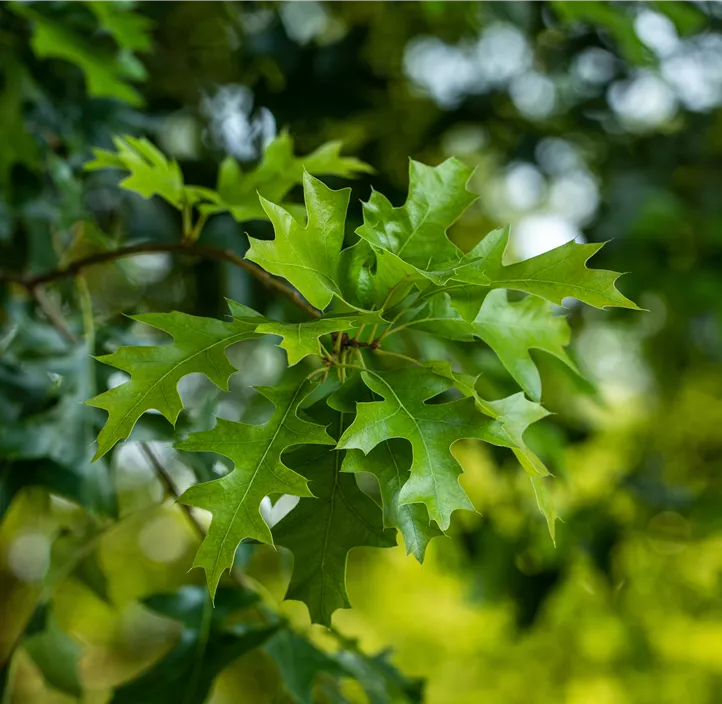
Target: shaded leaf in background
[322,529]
[300,663]
[207,644]
[55,653]
[51,447]
[380,679]
[106,76]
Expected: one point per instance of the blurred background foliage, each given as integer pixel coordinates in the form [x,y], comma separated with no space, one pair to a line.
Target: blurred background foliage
[592,120]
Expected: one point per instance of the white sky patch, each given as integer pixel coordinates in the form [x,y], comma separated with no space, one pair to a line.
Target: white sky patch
[575,196]
[657,32]
[524,186]
[642,102]
[539,233]
[534,95]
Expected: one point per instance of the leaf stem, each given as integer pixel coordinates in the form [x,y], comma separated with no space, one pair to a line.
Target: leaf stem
[393,331]
[360,356]
[386,353]
[52,313]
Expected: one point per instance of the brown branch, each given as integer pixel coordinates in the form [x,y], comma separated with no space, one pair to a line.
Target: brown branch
[169,486]
[201,252]
[52,313]
[167,481]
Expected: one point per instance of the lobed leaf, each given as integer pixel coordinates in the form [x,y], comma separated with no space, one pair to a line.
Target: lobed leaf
[307,256]
[199,346]
[430,428]
[554,275]
[235,499]
[415,233]
[322,530]
[277,173]
[303,339]
[513,329]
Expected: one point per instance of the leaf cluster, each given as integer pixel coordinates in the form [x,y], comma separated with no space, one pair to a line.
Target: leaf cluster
[352,401]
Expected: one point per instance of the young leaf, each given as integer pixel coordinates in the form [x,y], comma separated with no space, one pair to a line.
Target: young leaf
[416,231]
[307,256]
[322,530]
[512,329]
[151,173]
[303,339]
[277,173]
[199,345]
[430,428]
[235,499]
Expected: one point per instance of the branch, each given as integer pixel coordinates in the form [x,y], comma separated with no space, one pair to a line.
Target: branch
[31,283]
[52,313]
[167,482]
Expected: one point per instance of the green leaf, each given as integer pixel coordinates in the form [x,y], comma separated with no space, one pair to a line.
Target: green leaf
[19,146]
[51,447]
[380,679]
[303,339]
[235,499]
[307,256]
[105,76]
[322,530]
[513,329]
[545,503]
[57,656]
[515,413]
[278,172]
[370,278]
[554,275]
[415,233]
[608,17]
[430,428]
[206,646]
[151,173]
[300,663]
[390,463]
[129,29]
[199,346]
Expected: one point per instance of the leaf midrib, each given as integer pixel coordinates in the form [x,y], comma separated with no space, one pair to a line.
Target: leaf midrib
[253,477]
[226,341]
